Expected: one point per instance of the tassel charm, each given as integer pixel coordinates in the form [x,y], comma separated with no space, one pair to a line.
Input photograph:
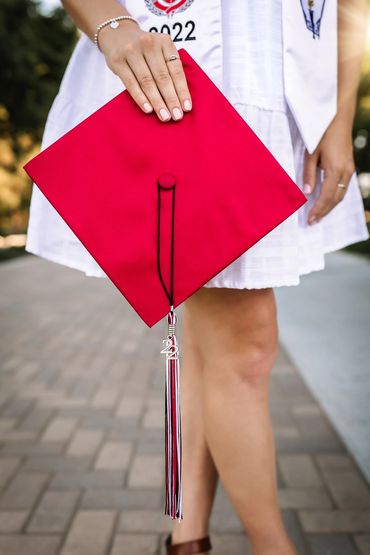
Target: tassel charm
[173,504]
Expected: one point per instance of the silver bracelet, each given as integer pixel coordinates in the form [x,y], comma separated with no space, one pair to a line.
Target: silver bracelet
[113,24]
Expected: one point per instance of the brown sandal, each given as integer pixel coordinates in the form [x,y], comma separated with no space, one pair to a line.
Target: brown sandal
[192,547]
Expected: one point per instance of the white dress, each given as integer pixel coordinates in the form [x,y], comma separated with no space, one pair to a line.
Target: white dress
[253,70]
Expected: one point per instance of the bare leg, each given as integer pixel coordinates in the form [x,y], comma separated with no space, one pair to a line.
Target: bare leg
[199,473]
[238,332]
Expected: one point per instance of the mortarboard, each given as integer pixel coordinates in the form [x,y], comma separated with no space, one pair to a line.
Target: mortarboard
[164,207]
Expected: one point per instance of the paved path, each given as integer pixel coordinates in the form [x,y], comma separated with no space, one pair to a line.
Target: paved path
[81,432]
[331,344]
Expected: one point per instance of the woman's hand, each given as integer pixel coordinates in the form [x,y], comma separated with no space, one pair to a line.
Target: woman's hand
[140,59]
[334,155]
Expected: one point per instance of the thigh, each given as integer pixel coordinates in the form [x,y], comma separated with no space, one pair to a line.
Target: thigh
[225,320]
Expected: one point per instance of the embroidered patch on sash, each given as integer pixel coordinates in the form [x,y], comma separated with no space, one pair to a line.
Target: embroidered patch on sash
[167,7]
[313,11]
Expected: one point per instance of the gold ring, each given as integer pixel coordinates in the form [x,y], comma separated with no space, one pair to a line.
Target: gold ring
[172,58]
[342,186]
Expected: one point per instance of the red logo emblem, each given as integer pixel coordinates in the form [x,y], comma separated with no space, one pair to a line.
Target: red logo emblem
[167,7]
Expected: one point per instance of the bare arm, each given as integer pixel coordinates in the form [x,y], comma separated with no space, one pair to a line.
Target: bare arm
[137,57]
[88,14]
[334,154]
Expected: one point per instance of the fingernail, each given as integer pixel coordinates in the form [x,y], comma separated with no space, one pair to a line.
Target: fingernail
[187,105]
[147,107]
[177,114]
[312,220]
[164,114]
[307,189]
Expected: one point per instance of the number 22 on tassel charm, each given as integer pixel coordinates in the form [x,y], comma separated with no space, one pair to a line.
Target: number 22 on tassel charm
[171,351]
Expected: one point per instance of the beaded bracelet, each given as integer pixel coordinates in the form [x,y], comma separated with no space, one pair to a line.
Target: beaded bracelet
[113,24]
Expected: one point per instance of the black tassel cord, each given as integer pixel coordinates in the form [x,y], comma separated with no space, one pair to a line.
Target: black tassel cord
[173,441]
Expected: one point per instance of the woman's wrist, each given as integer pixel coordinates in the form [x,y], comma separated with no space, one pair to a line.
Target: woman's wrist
[108,36]
[346,114]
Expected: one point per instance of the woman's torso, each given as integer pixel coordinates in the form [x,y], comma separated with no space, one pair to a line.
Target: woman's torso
[243,45]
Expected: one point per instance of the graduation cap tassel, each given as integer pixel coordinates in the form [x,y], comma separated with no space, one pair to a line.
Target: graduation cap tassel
[173,506]
[173,440]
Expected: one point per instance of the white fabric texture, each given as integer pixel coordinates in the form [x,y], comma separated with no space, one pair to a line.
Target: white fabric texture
[253,82]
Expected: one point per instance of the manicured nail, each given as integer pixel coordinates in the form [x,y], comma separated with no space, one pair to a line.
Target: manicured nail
[307,189]
[147,107]
[177,114]
[187,105]
[164,114]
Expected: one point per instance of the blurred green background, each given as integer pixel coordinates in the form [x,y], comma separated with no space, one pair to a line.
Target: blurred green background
[34,49]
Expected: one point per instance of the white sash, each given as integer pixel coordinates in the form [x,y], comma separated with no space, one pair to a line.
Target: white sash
[310,65]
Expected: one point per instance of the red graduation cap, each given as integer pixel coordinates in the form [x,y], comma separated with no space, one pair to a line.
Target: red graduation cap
[164,207]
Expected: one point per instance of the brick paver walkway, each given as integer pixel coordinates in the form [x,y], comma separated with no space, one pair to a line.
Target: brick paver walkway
[81,432]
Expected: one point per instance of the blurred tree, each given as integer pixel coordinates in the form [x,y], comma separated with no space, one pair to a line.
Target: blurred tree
[34,50]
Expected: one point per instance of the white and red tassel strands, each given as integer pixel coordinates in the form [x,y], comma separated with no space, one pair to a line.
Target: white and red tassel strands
[173,443]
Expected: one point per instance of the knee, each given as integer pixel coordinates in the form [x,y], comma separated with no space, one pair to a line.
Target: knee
[253,362]
[247,352]
[236,333]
